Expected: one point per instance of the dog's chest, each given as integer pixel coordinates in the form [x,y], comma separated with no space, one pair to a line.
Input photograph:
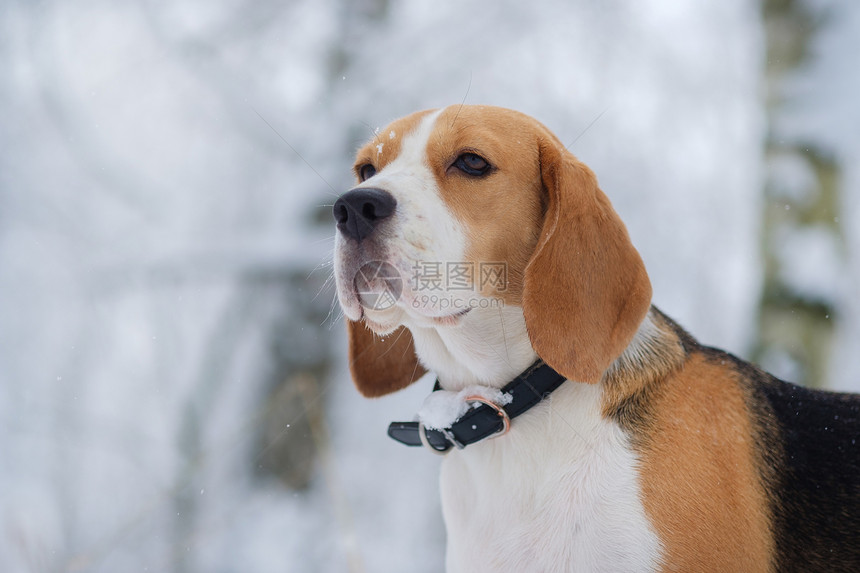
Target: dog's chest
[559,493]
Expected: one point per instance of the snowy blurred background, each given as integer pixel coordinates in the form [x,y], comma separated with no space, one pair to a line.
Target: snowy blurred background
[173,388]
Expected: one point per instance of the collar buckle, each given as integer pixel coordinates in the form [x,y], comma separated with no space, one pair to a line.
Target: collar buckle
[449,435]
[422,434]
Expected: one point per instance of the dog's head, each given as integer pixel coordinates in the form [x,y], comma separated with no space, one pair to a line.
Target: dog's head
[463,209]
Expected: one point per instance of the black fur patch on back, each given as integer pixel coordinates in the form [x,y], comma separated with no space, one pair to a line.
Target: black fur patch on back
[820,505]
[816,492]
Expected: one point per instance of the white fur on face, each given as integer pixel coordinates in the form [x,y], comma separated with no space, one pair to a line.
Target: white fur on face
[422,230]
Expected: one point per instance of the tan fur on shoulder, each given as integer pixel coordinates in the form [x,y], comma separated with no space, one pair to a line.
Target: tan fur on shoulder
[701,483]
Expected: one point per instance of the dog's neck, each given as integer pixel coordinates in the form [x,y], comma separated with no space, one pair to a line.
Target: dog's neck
[491,347]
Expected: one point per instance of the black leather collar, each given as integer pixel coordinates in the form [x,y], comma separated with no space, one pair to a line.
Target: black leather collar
[527,390]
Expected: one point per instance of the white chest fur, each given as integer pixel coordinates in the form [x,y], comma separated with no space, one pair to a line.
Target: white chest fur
[559,493]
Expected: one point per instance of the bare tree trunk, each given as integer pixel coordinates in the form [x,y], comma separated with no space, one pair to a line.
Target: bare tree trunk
[796,326]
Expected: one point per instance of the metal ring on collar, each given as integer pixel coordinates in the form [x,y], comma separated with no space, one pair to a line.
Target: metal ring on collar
[506,420]
[422,433]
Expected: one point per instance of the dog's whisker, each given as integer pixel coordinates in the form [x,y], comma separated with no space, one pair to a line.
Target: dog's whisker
[334,314]
[462,103]
[296,151]
[320,266]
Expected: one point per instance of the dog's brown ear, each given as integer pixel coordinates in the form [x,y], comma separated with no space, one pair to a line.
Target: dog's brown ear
[381,364]
[585,289]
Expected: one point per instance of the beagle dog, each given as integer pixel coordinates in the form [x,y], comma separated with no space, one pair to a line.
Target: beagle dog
[616,441]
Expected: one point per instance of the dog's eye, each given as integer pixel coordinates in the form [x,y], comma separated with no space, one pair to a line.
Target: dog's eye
[472,164]
[366,171]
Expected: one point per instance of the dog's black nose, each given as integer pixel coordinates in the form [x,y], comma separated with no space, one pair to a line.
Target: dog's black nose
[359,211]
